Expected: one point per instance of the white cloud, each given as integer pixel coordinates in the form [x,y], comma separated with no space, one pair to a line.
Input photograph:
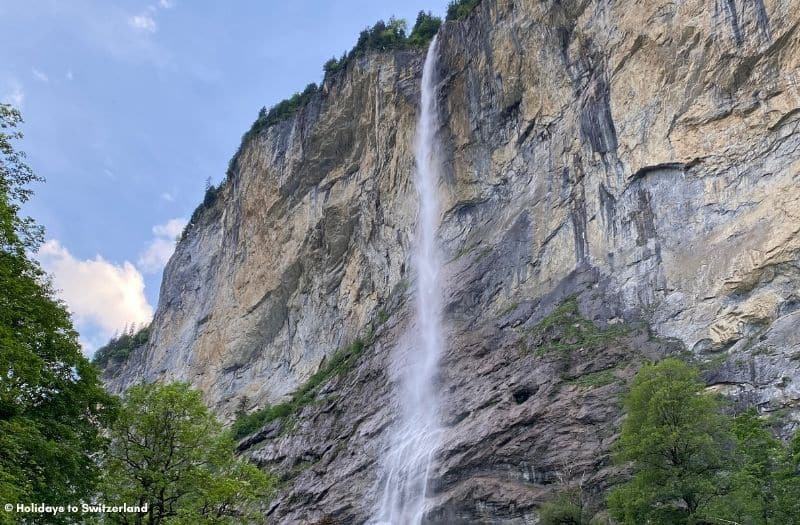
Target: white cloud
[166,4]
[143,22]
[172,228]
[99,293]
[69,75]
[160,249]
[167,196]
[13,93]
[39,75]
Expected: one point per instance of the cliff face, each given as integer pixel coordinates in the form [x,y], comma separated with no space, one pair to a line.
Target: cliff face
[642,158]
[300,249]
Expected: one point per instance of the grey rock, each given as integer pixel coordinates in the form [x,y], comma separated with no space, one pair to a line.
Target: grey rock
[643,158]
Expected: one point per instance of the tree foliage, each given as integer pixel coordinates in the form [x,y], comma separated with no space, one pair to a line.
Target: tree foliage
[284,108]
[120,347]
[567,507]
[458,9]
[209,198]
[692,464]
[382,36]
[425,28]
[765,481]
[51,401]
[17,233]
[169,452]
[385,36]
[678,442]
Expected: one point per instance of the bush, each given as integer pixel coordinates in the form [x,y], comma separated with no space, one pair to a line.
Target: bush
[561,510]
[458,9]
[570,505]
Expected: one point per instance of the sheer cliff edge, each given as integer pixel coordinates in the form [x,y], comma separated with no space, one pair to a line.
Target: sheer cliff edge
[620,183]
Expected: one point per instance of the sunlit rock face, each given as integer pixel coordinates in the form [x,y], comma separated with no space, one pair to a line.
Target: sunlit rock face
[642,157]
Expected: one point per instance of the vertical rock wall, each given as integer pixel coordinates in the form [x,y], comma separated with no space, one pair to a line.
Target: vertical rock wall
[640,157]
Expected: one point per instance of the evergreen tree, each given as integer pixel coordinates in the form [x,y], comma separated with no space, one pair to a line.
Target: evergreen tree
[424,29]
[120,346]
[458,9]
[51,401]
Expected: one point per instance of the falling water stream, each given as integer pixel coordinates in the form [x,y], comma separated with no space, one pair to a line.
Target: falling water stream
[416,434]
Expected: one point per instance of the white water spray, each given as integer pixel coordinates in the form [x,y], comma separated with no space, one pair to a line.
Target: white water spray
[416,436]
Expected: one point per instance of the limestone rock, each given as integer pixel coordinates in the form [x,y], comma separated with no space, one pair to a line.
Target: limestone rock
[643,157]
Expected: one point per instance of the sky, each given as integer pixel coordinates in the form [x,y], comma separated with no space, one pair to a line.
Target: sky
[130,106]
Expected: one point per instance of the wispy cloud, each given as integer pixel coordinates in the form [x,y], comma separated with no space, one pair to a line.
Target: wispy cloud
[168,197]
[143,22]
[39,75]
[122,33]
[69,75]
[161,247]
[13,93]
[146,21]
[99,293]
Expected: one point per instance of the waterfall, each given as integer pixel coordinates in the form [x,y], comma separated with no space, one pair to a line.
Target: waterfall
[416,436]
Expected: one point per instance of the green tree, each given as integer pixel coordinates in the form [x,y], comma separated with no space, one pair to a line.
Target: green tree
[764,480]
[334,65]
[788,483]
[424,29]
[120,346]
[331,66]
[458,9]
[51,402]
[679,447]
[755,477]
[169,452]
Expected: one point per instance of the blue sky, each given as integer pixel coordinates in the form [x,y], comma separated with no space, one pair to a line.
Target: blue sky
[130,106]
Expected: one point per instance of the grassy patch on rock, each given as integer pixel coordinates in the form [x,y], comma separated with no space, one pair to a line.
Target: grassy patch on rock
[596,379]
[339,364]
[565,331]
